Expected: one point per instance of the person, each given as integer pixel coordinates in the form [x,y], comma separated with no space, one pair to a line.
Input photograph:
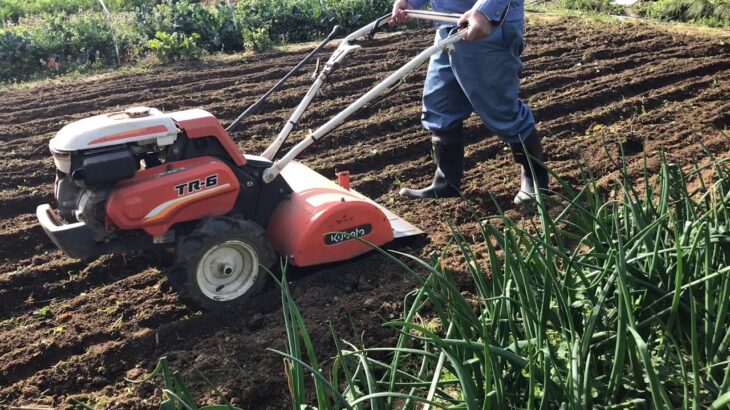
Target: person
[480,74]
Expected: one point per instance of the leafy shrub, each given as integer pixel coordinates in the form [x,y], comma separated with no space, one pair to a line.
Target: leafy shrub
[259,39]
[305,20]
[176,46]
[62,43]
[13,10]
[215,24]
[14,53]
[130,39]
[128,5]
[353,14]
[288,20]
[41,36]
[153,19]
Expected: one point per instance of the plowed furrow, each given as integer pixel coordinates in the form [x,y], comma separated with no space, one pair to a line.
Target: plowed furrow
[616,90]
[64,278]
[655,99]
[24,200]
[29,355]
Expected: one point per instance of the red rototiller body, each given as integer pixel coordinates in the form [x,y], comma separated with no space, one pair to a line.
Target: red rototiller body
[143,179]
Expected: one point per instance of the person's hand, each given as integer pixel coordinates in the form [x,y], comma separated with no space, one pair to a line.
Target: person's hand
[479,25]
[399,16]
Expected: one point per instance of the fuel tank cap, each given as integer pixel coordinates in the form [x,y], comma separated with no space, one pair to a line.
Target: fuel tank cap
[137,112]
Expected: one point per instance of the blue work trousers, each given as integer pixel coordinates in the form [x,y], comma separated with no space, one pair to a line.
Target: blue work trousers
[479,76]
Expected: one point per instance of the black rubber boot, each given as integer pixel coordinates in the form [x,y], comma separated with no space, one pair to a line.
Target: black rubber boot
[448,154]
[533,147]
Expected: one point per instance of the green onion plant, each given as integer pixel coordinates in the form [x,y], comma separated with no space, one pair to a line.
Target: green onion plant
[610,296]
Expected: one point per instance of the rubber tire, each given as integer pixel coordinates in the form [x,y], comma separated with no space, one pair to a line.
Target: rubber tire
[191,249]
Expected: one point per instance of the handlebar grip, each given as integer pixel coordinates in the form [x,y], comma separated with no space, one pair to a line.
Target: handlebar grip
[336,31]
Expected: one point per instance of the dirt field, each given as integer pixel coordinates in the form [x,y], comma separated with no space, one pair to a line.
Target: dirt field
[632,86]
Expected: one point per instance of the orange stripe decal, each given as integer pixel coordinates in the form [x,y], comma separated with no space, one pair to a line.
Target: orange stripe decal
[130,134]
[171,206]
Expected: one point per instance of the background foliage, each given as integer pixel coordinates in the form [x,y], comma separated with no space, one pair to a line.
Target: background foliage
[48,37]
[41,37]
[709,12]
[714,13]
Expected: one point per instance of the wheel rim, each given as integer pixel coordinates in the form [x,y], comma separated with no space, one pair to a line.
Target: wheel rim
[228,270]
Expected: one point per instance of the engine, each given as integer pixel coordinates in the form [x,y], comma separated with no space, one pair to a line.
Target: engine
[129,179]
[94,154]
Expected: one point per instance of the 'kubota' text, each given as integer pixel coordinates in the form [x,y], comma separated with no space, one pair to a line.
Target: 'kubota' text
[348,234]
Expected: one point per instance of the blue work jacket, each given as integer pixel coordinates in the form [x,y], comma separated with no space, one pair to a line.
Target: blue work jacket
[495,10]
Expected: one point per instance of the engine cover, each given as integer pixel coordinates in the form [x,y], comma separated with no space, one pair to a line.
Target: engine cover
[134,125]
[158,197]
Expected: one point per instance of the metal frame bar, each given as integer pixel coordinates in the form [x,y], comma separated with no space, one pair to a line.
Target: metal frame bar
[339,55]
[434,16]
[255,106]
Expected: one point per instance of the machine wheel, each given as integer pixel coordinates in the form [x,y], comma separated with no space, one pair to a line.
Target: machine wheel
[221,263]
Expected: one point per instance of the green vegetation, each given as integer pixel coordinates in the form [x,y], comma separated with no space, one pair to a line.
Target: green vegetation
[39,38]
[613,299]
[13,10]
[47,37]
[616,298]
[60,43]
[44,312]
[176,395]
[175,46]
[713,13]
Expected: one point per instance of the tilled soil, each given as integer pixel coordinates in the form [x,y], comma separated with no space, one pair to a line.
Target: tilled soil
[595,88]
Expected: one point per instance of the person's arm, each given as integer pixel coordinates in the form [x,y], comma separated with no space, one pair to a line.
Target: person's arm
[495,10]
[483,16]
[399,16]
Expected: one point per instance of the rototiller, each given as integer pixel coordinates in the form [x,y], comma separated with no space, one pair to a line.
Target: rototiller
[141,179]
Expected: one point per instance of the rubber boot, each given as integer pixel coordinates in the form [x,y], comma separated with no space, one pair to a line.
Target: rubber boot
[448,154]
[533,147]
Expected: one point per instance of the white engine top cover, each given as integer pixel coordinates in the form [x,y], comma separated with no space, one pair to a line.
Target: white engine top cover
[140,125]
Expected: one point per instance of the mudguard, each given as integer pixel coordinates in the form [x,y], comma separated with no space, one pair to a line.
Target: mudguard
[321,221]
